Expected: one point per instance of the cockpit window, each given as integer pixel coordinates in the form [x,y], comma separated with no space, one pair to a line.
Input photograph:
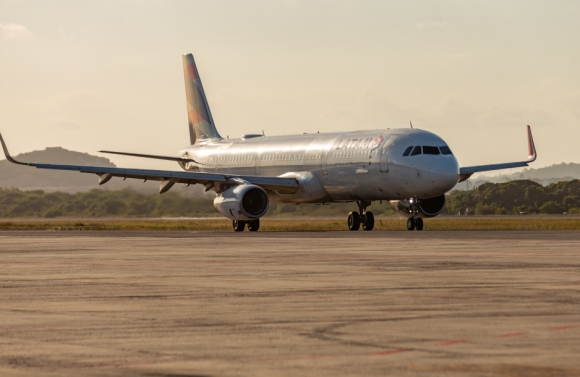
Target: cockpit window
[416,151]
[407,151]
[430,150]
[445,150]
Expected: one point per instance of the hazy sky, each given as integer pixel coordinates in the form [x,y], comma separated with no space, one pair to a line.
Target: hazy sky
[90,75]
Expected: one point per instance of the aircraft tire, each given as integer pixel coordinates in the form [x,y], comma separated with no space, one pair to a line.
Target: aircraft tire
[353,221]
[238,225]
[369,221]
[419,224]
[411,224]
[254,225]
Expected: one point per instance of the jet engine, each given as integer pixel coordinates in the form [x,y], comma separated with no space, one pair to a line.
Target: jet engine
[242,202]
[425,207]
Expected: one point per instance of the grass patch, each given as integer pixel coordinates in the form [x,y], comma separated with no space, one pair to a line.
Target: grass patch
[294,225]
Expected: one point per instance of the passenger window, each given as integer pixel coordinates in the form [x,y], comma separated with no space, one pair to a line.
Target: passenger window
[407,151]
[416,151]
[431,150]
[445,150]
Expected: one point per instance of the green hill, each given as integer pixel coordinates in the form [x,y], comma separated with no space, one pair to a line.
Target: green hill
[25,178]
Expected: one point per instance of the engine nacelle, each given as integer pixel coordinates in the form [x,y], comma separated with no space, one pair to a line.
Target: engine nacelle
[242,202]
[427,207]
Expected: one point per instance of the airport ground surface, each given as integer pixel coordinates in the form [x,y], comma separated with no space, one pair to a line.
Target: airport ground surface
[470,303]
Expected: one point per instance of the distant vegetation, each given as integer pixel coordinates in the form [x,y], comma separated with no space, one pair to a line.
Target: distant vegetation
[130,203]
[100,203]
[487,199]
[516,197]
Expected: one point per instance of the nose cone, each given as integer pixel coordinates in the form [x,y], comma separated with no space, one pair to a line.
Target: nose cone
[444,174]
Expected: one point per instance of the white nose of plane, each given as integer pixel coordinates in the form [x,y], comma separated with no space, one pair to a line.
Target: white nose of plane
[444,173]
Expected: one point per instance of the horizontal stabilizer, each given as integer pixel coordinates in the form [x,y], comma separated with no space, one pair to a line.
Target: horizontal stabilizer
[157,157]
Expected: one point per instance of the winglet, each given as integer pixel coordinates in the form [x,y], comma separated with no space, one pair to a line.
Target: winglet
[532,155]
[9,158]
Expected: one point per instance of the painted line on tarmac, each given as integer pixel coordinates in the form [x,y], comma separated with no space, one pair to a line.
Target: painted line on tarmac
[400,350]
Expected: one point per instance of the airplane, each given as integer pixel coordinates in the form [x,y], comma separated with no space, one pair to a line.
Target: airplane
[410,168]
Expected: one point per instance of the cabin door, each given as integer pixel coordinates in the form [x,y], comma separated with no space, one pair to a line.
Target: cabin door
[324,162]
[325,152]
[385,152]
[257,164]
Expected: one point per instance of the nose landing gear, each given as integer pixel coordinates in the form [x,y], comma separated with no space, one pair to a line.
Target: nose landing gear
[364,217]
[419,223]
[414,222]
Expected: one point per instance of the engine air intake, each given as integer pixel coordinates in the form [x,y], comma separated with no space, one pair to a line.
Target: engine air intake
[426,208]
[242,202]
[433,206]
[254,202]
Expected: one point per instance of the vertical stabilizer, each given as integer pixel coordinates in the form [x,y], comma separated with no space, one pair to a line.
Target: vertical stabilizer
[201,125]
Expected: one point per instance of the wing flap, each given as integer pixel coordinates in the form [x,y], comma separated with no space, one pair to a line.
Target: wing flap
[280,185]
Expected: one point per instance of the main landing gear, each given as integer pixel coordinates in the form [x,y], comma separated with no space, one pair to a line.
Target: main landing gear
[239,225]
[364,217]
[414,222]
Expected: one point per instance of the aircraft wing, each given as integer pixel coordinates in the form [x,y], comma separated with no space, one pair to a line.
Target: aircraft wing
[466,172]
[168,178]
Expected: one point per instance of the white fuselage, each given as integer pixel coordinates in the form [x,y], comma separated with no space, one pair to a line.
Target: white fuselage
[337,167]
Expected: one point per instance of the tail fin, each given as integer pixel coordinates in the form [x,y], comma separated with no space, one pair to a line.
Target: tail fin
[201,125]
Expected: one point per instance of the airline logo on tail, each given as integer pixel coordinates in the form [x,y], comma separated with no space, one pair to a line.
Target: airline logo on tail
[201,125]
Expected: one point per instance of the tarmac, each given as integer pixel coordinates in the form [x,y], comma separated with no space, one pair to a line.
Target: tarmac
[169,304]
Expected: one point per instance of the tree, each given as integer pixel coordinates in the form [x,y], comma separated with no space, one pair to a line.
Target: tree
[551,207]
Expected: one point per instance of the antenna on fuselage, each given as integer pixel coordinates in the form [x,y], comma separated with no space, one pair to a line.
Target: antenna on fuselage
[411,123]
[263,134]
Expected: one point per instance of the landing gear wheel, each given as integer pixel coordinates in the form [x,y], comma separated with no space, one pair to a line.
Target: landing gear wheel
[411,224]
[369,221]
[419,223]
[254,225]
[353,221]
[238,225]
